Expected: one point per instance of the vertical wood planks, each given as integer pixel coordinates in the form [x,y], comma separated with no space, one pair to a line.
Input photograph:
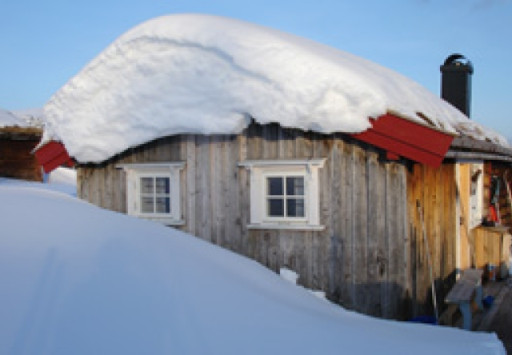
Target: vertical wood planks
[363,259]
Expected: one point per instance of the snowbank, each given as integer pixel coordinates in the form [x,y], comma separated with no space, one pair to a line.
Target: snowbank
[59,180]
[77,279]
[64,176]
[208,74]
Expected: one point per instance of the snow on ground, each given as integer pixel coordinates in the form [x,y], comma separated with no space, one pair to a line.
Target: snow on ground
[59,180]
[63,179]
[77,279]
[207,74]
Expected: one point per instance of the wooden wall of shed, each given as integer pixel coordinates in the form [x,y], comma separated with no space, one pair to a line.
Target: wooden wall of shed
[362,258]
[492,247]
[436,191]
[17,160]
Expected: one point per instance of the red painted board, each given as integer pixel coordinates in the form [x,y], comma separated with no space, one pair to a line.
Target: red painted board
[407,139]
[400,148]
[52,155]
[421,136]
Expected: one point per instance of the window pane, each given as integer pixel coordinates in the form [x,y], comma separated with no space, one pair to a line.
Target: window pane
[146,204]
[275,186]
[162,185]
[295,207]
[295,185]
[275,207]
[163,205]
[146,185]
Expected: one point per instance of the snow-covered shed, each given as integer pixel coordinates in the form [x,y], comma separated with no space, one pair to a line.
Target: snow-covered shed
[290,152]
[20,132]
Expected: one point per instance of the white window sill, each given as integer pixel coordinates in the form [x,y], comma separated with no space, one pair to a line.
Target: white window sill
[164,220]
[287,226]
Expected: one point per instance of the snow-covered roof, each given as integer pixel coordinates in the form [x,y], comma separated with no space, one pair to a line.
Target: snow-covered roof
[208,74]
[23,119]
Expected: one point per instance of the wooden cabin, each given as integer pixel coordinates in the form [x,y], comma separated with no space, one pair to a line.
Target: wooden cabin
[333,208]
[343,215]
[349,213]
[16,158]
[338,215]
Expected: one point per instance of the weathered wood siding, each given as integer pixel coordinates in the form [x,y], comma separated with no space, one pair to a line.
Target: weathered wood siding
[361,259]
[492,247]
[16,158]
[436,191]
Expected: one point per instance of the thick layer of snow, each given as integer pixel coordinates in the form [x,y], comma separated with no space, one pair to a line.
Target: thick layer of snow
[77,279]
[25,118]
[207,74]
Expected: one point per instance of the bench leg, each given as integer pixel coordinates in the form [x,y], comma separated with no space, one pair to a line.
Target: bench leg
[478,297]
[465,309]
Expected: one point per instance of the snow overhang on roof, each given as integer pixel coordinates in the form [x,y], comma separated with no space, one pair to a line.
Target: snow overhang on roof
[212,75]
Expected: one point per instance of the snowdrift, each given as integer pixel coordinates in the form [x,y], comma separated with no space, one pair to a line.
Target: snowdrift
[207,74]
[80,280]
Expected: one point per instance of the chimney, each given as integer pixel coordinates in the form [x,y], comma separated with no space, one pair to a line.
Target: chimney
[456,82]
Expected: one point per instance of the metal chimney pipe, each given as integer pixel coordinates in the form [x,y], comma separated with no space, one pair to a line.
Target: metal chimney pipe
[456,82]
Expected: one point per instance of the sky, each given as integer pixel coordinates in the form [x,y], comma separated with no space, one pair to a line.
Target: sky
[44,43]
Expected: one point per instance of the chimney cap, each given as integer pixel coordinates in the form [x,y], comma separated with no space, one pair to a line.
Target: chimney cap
[457,62]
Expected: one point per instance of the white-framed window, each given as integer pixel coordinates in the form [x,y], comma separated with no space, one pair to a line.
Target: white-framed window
[153,191]
[284,194]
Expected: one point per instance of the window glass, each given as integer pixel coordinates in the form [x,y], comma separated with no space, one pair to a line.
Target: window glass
[163,205]
[155,195]
[146,185]
[295,186]
[275,186]
[162,185]
[285,196]
[275,207]
[146,204]
[295,207]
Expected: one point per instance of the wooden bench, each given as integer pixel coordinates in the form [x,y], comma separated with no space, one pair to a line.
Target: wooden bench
[467,289]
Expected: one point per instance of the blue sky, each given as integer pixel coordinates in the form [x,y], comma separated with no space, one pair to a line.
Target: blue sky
[45,43]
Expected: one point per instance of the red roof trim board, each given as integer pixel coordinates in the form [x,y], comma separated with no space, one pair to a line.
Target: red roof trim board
[398,136]
[401,137]
[52,155]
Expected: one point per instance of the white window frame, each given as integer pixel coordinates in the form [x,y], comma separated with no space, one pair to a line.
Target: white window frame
[134,173]
[260,170]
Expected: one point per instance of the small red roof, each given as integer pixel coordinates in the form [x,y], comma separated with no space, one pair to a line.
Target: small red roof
[52,155]
[408,139]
